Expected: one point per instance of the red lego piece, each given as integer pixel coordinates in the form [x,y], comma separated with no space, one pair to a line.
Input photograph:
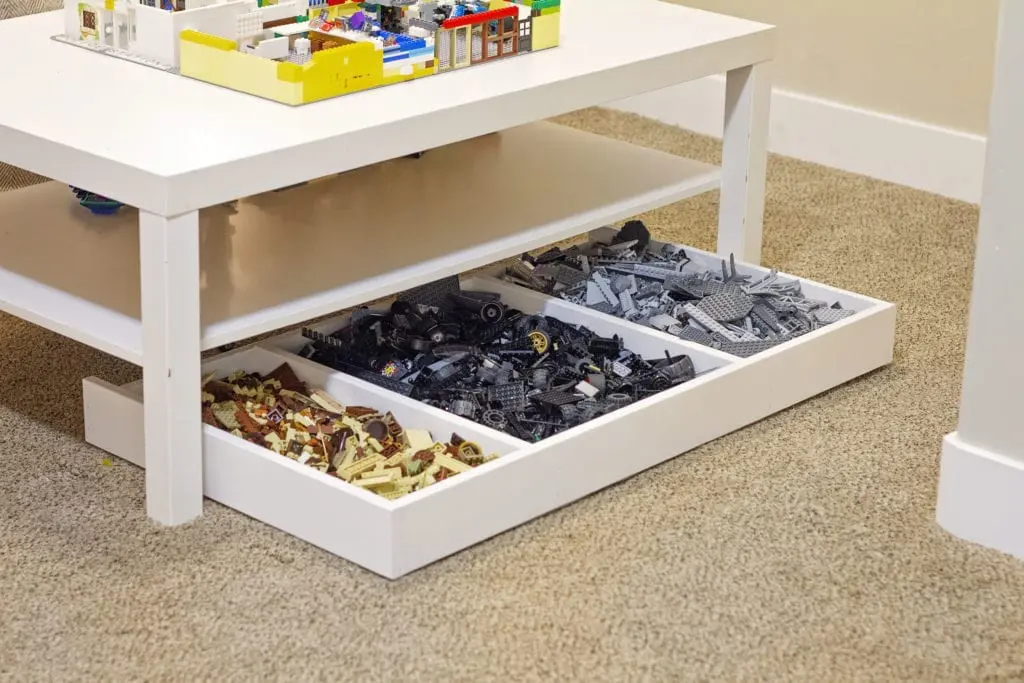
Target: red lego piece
[480,17]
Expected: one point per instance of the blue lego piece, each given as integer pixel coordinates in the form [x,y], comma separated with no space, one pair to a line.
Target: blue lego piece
[403,42]
[97,204]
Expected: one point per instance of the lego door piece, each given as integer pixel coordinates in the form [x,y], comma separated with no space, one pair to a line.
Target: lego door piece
[501,38]
[526,34]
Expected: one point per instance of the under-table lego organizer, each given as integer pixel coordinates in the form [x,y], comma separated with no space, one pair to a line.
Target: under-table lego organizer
[211,256]
[393,538]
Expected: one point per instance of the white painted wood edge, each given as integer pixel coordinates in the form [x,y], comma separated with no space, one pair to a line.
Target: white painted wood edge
[710,261]
[68,315]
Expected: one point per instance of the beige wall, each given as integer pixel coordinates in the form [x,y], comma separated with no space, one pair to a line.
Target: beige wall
[929,60]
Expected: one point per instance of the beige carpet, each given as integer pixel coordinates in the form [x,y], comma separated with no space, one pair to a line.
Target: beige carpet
[801,548]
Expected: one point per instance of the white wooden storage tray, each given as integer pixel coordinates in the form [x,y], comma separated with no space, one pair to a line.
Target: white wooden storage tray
[393,538]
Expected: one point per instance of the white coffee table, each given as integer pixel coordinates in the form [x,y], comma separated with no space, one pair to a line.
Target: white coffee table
[196,274]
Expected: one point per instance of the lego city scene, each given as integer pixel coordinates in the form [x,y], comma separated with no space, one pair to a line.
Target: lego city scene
[301,51]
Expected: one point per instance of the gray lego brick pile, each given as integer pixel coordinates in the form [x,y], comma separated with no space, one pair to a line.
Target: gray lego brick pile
[658,286]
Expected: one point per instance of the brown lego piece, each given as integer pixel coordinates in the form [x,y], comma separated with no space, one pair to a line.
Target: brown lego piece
[287,377]
[279,22]
[424,456]
[376,428]
[359,411]
[394,428]
[221,391]
[332,444]
[209,418]
[245,420]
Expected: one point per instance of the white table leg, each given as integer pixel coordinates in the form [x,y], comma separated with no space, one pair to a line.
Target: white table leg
[744,156]
[981,483]
[169,253]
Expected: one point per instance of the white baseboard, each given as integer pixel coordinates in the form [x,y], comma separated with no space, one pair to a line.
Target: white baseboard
[981,496]
[919,155]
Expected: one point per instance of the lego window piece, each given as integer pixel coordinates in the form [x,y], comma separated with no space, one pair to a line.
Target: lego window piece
[444,51]
[461,42]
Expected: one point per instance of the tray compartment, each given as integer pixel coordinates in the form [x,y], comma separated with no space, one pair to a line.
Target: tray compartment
[699,263]
[323,510]
[634,338]
[804,366]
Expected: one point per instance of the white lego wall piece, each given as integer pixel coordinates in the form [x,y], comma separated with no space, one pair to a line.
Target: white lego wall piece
[284,10]
[248,24]
[217,20]
[122,26]
[154,35]
[71,20]
[149,32]
[272,48]
[106,27]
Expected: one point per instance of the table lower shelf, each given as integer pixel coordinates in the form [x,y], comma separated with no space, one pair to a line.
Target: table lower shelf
[393,538]
[280,258]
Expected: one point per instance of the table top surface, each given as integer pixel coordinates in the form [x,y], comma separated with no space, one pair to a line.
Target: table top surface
[168,144]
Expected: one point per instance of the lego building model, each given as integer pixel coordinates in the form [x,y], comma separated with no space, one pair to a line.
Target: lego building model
[301,51]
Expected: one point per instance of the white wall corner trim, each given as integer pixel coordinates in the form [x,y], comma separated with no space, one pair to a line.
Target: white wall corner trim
[919,155]
[980,496]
